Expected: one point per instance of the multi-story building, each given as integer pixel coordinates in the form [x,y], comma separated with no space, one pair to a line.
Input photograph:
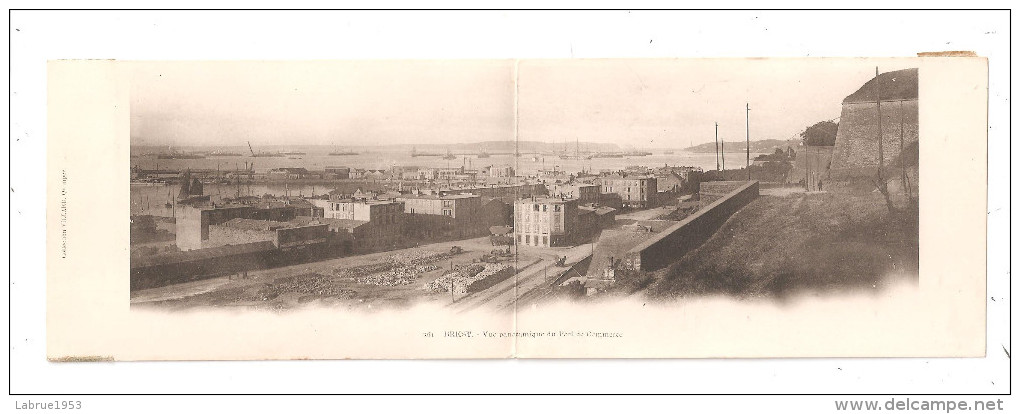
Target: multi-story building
[443,215]
[193,222]
[552,177]
[307,208]
[284,235]
[500,171]
[585,193]
[383,212]
[636,191]
[546,222]
[357,173]
[340,173]
[375,224]
[506,193]
[668,181]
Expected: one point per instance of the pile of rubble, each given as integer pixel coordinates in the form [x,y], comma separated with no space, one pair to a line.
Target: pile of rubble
[358,271]
[470,278]
[419,257]
[419,261]
[309,284]
[404,275]
[399,269]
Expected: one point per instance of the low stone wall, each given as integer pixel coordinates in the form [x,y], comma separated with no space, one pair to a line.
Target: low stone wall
[714,190]
[180,267]
[672,243]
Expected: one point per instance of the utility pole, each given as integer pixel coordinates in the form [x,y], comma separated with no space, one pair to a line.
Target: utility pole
[903,164]
[878,105]
[882,187]
[807,170]
[517,169]
[237,181]
[748,131]
[722,153]
[717,146]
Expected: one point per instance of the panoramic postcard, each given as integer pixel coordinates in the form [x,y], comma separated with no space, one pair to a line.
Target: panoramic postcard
[409,190]
[490,185]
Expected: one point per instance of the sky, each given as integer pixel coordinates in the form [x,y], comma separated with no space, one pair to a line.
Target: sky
[640,103]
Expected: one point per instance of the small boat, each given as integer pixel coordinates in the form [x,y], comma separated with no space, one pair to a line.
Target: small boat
[224,154]
[339,153]
[637,153]
[449,155]
[263,154]
[172,154]
[180,156]
[415,153]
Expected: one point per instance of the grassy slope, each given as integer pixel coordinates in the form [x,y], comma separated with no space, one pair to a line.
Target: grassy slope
[781,245]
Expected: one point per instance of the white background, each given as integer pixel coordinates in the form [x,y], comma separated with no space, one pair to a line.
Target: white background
[40,36]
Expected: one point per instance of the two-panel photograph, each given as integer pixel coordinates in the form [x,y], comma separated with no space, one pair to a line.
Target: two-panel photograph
[351,204]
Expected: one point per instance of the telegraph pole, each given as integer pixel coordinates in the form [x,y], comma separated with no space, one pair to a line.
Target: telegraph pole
[717,146]
[903,164]
[748,131]
[882,186]
[517,169]
[722,153]
[807,170]
[878,105]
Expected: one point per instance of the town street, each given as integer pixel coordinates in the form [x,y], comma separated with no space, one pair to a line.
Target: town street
[505,295]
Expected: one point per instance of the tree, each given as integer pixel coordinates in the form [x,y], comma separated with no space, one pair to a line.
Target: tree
[820,134]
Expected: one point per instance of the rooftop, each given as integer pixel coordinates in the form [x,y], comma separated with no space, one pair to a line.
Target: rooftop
[251,224]
[547,200]
[365,201]
[438,197]
[628,177]
[331,222]
[224,206]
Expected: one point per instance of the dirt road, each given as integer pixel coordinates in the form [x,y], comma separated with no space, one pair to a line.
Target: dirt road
[534,275]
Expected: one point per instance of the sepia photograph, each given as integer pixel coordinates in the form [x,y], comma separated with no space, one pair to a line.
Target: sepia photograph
[496,185]
[327,208]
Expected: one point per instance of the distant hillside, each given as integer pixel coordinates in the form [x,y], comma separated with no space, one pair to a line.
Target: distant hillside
[508,146]
[488,146]
[761,146]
